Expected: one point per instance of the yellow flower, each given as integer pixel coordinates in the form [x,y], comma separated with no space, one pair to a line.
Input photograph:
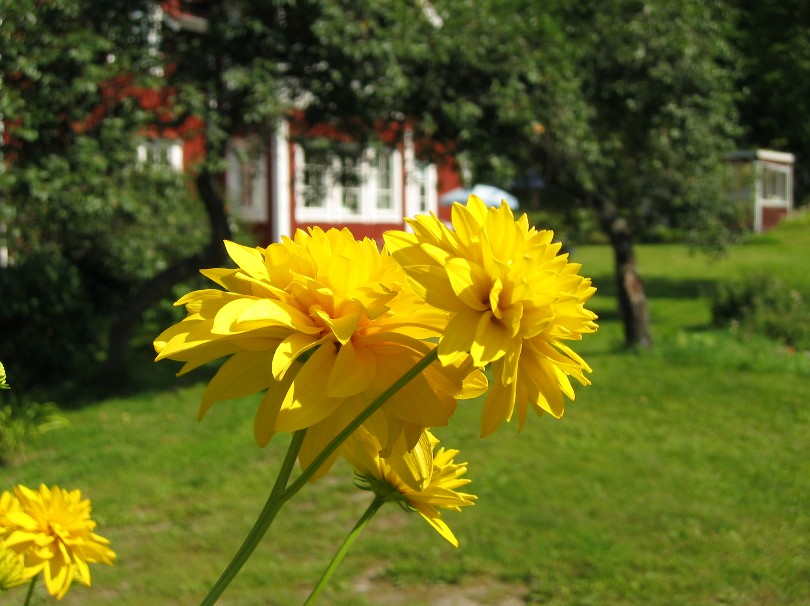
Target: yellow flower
[12,571]
[53,532]
[322,323]
[512,298]
[8,503]
[421,479]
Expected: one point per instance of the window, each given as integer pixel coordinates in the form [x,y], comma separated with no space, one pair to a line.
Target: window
[316,169]
[246,180]
[385,179]
[774,184]
[160,154]
[421,188]
[421,177]
[351,182]
[335,184]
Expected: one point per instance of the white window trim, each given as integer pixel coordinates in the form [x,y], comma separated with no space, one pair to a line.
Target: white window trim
[412,184]
[333,210]
[787,201]
[760,202]
[370,206]
[281,225]
[256,211]
[173,148]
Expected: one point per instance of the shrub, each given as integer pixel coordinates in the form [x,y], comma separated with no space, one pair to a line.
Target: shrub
[766,305]
[21,420]
[18,423]
[48,326]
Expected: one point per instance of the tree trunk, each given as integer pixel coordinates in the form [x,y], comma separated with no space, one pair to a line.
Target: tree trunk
[629,285]
[153,290]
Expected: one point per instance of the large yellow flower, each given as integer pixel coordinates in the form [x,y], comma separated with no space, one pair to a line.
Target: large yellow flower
[513,300]
[53,532]
[322,323]
[423,480]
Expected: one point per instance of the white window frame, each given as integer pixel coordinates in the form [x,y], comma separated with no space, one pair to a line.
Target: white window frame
[333,209]
[781,170]
[417,174]
[171,149]
[244,163]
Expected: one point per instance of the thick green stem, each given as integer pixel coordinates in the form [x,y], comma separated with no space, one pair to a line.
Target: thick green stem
[271,508]
[344,548]
[30,589]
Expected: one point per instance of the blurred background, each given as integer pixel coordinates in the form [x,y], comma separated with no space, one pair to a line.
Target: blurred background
[667,144]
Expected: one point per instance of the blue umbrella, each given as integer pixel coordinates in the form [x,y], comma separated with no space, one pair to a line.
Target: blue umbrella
[490,194]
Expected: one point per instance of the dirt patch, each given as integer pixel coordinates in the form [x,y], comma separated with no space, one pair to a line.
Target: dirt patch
[478,591]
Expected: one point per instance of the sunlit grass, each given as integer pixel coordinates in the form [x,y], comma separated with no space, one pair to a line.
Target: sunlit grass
[680,477]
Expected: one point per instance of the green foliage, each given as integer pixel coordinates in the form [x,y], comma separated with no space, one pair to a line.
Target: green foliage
[20,421]
[572,226]
[656,113]
[48,322]
[764,304]
[19,424]
[773,39]
[84,225]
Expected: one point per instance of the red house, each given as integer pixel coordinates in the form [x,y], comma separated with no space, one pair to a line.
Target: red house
[300,178]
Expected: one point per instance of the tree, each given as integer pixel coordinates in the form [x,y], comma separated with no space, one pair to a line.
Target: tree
[632,108]
[626,107]
[247,63]
[657,117]
[236,67]
[80,218]
[773,41]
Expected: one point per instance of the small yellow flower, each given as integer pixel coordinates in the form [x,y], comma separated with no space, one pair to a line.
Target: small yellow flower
[512,300]
[322,324]
[52,530]
[423,480]
[12,570]
[8,504]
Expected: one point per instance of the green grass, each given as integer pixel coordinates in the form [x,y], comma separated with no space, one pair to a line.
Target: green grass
[680,477]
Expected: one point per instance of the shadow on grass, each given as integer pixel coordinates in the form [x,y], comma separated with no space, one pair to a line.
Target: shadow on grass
[657,287]
[141,375]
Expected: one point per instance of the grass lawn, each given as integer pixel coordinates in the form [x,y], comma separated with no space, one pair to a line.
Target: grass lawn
[680,477]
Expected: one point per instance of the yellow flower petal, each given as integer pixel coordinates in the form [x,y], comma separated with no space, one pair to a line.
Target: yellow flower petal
[307,403]
[289,350]
[264,422]
[498,406]
[491,340]
[244,373]
[470,283]
[353,371]
[248,259]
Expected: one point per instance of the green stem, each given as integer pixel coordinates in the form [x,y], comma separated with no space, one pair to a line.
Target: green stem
[271,508]
[30,590]
[282,493]
[330,448]
[344,548]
